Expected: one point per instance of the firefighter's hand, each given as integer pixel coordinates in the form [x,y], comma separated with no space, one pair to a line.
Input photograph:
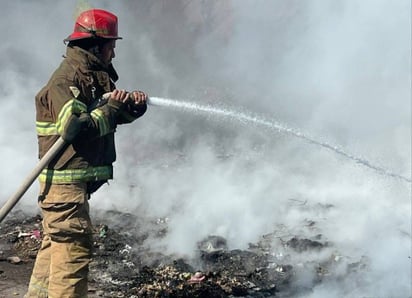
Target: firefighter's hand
[139,97]
[120,95]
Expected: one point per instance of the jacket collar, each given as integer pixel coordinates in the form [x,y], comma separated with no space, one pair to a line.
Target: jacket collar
[89,62]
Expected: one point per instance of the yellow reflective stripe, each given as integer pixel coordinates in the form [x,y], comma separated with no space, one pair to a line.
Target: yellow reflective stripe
[79,107]
[101,120]
[46,128]
[76,175]
[73,106]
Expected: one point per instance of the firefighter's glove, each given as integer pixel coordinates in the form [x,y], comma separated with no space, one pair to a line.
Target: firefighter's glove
[138,98]
[74,126]
[137,104]
[119,97]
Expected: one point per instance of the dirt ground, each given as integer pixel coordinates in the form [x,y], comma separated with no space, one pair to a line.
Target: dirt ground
[14,278]
[124,266]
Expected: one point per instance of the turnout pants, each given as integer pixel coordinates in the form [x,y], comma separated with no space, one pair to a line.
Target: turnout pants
[62,263]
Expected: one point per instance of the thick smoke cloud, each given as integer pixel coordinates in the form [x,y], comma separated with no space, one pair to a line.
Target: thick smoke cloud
[336,70]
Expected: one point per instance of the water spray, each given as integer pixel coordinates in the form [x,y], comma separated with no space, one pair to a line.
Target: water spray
[189,106]
[273,125]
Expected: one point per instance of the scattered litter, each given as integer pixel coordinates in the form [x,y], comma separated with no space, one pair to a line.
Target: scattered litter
[162,220]
[197,277]
[123,264]
[128,264]
[103,231]
[23,234]
[14,260]
[36,234]
[126,250]
[213,244]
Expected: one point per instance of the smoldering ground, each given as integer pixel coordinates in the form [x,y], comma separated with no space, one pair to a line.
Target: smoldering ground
[336,70]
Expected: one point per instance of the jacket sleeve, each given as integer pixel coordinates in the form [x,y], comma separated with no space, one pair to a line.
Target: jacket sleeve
[64,103]
[67,105]
[130,113]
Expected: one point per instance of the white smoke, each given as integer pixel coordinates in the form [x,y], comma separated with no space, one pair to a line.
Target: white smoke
[338,70]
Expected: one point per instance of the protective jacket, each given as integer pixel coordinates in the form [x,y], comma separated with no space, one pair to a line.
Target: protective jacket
[75,92]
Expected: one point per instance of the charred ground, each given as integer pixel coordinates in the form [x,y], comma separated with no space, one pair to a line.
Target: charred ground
[124,265]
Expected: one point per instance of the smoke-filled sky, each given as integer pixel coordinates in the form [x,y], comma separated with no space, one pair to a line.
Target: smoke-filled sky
[336,70]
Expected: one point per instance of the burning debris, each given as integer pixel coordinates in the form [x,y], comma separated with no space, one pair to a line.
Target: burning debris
[123,266]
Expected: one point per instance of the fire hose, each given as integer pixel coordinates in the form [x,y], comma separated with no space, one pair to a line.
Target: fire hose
[44,161]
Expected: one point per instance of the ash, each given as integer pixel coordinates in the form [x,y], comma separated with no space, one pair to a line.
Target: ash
[124,265]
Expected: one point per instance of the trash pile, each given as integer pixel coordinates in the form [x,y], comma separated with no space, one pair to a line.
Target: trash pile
[20,239]
[123,266]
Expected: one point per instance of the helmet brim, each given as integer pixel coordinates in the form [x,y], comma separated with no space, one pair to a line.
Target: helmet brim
[85,35]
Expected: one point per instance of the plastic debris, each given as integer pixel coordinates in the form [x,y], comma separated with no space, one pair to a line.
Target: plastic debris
[36,234]
[14,260]
[125,250]
[197,277]
[213,244]
[103,231]
[23,234]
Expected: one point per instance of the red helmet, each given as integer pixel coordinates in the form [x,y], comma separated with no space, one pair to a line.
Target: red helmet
[95,23]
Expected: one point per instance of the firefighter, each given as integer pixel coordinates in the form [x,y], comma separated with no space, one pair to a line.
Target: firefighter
[72,106]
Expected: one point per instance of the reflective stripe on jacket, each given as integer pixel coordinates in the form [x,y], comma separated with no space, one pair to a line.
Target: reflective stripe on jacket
[76,175]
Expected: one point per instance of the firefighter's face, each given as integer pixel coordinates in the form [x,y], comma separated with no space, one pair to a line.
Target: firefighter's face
[108,52]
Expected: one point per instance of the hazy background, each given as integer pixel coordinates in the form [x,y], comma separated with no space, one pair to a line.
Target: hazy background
[339,71]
